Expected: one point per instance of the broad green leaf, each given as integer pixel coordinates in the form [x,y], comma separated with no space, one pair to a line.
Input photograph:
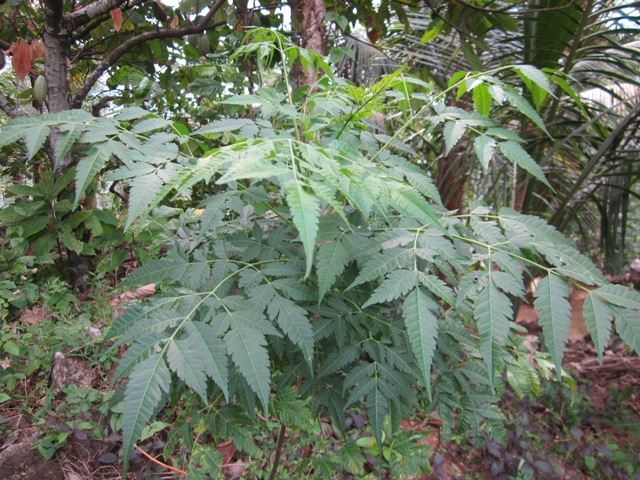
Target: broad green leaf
[148,385]
[492,311]
[598,321]
[305,211]
[515,153]
[188,365]
[422,330]
[397,283]
[482,99]
[248,352]
[432,33]
[294,322]
[485,146]
[211,349]
[89,166]
[333,257]
[555,315]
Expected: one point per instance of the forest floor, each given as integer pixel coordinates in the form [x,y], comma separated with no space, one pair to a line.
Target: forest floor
[590,433]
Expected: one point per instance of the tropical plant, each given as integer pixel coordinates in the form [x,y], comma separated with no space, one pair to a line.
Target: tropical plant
[324,273]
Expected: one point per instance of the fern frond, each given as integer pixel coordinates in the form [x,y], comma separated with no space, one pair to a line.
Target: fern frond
[555,315]
[148,385]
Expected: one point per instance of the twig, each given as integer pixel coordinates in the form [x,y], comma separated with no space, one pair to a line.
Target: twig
[168,467]
[279,445]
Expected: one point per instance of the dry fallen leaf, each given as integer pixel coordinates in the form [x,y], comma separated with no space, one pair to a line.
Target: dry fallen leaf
[142,292]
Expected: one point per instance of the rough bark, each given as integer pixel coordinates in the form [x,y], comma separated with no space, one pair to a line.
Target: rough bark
[313,33]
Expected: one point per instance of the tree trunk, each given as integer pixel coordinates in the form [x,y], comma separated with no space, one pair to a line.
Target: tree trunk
[308,21]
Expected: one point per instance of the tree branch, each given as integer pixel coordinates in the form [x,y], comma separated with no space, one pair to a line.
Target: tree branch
[4,45]
[85,14]
[113,57]
[8,108]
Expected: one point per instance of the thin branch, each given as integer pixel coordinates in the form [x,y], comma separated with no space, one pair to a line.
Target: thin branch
[8,108]
[125,47]
[84,15]
[4,45]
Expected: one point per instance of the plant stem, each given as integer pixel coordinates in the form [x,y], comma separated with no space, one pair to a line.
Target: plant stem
[279,445]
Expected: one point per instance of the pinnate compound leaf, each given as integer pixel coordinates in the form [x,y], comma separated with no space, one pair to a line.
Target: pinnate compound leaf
[598,322]
[555,315]
[305,211]
[212,351]
[90,166]
[422,330]
[333,257]
[294,323]
[188,363]
[515,153]
[397,283]
[248,352]
[492,311]
[148,385]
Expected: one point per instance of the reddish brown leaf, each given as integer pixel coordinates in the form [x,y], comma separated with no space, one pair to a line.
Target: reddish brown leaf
[116,16]
[174,21]
[21,61]
[38,49]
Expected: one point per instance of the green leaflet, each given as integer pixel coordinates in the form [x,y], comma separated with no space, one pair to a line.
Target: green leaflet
[628,326]
[485,147]
[397,283]
[294,323]
[333,257]
[555,315]
[34,138]
[598,322]
[515,153]
[226,125]
[381,264]
[453,132]
[618,295]
[188,363]
[211,349]
[482,99]
[147,388]
[89,166]
[422,330]
[144,189]
[158,321]
[304,208]
[247,348]
[492,311]
[156,271]
[136,353]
